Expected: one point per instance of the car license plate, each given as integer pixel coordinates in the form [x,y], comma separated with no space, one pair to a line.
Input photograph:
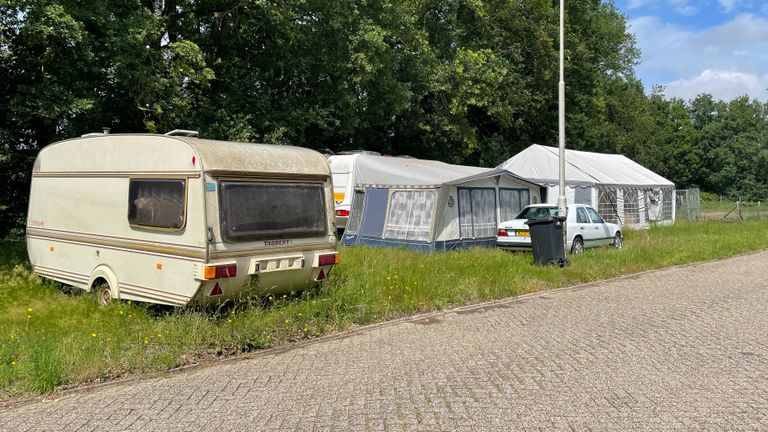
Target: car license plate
[522,233]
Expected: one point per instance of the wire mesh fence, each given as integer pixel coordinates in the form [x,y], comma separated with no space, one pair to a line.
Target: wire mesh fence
[688,204]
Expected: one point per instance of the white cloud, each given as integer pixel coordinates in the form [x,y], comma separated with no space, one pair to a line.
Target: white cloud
[729,5]
[735,52]
[634,4]
[721,84]
[686,10]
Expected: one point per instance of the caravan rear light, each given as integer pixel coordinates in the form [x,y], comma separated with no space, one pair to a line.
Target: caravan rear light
[502,233]
[328,259]
[342,213]
[220,271]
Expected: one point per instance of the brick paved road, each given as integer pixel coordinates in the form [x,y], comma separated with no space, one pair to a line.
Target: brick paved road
[679,349]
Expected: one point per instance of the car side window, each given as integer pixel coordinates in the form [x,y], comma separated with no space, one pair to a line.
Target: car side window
[581,215]
[595,217]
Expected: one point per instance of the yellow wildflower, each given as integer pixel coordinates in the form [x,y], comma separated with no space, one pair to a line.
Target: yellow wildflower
[93,334]
[29,310]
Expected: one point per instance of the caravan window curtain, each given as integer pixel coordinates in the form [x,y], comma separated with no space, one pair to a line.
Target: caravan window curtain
[477,212]
[410,215]
[512,202]
[157,203]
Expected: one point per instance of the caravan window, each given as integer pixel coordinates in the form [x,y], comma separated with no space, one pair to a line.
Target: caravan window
[477,213]
[157,203]
[257,211]
[512,202]
[410,215]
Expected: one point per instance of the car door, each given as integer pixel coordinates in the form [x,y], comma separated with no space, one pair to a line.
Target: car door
[600,229]
[582,226]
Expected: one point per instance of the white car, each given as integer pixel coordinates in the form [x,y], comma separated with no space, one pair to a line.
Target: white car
[584,226]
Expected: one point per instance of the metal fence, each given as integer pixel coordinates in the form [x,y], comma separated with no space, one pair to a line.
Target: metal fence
[688,204]
[743,210]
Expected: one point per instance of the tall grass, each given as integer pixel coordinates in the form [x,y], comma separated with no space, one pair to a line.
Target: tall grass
[51,337]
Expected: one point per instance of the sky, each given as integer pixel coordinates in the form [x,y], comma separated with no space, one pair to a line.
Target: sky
[701,46]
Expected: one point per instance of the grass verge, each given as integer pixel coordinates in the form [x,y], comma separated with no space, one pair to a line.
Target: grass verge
[50,337]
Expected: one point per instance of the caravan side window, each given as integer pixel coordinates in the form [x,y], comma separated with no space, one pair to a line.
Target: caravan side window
[157,203]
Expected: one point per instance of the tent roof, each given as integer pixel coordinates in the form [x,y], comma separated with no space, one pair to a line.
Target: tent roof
[375,170]
[540,164]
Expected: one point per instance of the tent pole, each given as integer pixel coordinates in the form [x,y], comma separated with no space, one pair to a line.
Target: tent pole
[561,204]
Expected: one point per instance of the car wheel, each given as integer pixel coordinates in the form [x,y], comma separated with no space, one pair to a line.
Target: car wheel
[578,246]
[618,241]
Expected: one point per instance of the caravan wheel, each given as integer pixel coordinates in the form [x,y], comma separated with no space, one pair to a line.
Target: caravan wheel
[102,292]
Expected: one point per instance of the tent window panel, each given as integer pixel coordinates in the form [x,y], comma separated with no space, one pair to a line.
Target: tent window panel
[356,212]
[477,213]
[606,204]
[666,204]
[631,207]
[465,213]
[512,202]
[410,215]
[582,195]
[484,212]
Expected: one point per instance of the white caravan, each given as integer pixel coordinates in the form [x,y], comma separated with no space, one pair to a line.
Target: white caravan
[343,169]
[178,220]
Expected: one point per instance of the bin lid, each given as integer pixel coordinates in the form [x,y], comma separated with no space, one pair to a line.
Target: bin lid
[540,221]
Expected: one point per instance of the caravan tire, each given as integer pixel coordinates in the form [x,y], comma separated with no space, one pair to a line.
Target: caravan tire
[102,292]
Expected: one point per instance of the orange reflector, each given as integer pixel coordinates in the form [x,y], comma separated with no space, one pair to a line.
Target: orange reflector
[216,291]
[338,196]
[51,248]
[159,266]
[210,273]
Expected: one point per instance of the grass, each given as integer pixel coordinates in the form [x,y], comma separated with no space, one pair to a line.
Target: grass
[51,337]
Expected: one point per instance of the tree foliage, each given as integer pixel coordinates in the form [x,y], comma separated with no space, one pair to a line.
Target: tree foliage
[467,81]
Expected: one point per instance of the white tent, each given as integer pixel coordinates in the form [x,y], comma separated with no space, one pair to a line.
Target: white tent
[622,190]
[431,205]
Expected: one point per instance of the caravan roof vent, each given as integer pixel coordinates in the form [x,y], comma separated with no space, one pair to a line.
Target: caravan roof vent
[105,131]
[183,132]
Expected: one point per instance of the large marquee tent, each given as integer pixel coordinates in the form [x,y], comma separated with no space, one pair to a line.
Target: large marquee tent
[431,205]
[621,190]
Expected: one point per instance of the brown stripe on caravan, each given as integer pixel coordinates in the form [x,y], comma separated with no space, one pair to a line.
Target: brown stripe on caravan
[117,174]
[194,253]
[60,275]
[215,254]
[152,293]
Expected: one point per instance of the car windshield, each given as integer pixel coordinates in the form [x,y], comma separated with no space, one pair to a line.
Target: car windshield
[537,213]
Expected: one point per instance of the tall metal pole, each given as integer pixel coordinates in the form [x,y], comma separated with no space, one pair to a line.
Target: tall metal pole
[561,205]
